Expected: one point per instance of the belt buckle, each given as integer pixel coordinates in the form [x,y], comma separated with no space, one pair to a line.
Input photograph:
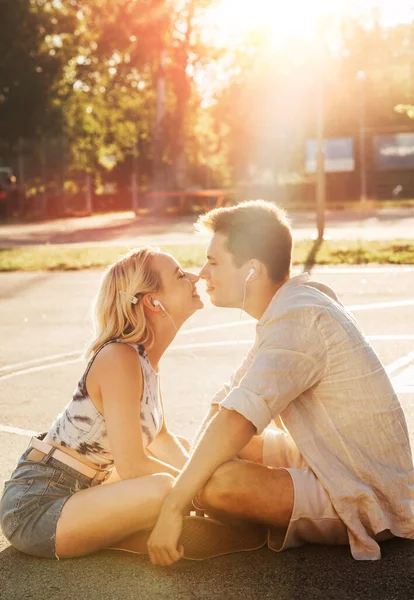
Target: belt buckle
[106,476]
[31,441]
[100,476]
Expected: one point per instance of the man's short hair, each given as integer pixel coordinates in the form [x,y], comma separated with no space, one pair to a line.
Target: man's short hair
[254,229]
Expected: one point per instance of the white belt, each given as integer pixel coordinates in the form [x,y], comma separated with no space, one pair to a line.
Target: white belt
[68,460]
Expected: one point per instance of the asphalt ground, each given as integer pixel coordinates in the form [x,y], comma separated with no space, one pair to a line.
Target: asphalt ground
[127,229]
[44,325]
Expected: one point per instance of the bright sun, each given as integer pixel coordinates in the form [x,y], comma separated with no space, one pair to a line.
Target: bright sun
[283,18]
[275,24]
[233,18]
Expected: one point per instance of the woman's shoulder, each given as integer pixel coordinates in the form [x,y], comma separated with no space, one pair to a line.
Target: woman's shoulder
[117,355]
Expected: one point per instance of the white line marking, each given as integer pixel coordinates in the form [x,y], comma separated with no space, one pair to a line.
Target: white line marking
[406,378]
[204,345]
[376,270]
[403,361]
[26,363]
[234,343]
[211,344]
[40,368]
[403,336]
[239,323]
[221,326]
[402,383]
[18,431]
[358,307]
[354,308]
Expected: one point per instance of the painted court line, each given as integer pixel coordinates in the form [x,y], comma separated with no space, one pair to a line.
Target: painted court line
[403,383]
[45,359]
[26,363]
[17,430]
[405,378]
[216,327]
[390,337]
[212,344]
[355,308]
[376,270]
[358,307]
[39,368]
[401,362]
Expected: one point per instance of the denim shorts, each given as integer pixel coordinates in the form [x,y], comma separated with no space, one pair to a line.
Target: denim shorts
[32,501]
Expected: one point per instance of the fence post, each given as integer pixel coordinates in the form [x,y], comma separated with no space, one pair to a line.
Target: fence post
[22,193]
[43,171]
[135,179]
[89,199]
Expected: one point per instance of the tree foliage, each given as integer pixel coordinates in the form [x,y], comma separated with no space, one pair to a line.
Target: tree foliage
[92,72]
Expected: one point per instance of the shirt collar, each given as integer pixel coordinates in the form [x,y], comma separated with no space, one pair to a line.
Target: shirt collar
[297,280]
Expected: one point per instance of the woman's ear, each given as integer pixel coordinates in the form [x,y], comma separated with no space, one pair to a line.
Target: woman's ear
[148,301]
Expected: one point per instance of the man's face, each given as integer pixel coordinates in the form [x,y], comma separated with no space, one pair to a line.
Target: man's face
[224,281]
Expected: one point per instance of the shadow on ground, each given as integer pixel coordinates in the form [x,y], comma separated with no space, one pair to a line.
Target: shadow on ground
[313,253]
[137,226]
[307,573]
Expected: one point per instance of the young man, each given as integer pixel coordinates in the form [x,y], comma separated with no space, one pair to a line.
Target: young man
[337,468]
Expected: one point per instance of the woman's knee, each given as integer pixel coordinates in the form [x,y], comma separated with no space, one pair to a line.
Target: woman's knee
[151,490]
[163,483]
[184,442]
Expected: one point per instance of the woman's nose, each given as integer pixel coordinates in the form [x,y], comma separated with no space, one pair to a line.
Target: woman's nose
[203,274]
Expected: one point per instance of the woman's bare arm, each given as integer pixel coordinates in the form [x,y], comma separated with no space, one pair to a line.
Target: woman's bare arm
[119,375]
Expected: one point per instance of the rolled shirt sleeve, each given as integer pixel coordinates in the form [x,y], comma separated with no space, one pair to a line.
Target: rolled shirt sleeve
[290,358]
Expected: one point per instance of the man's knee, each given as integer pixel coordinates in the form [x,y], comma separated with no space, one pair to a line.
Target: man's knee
[222,487]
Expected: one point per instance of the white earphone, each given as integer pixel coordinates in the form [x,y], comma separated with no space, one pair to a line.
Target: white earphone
[251,272]
[158,303]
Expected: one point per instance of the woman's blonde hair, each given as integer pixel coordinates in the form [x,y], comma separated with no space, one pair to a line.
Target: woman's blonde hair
[114,314]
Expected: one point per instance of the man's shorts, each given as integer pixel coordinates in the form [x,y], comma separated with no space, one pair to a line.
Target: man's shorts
[314,519]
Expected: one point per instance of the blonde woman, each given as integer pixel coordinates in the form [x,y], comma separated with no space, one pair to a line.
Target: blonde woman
[97,479]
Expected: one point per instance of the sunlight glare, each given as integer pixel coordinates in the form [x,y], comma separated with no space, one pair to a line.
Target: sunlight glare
[232,19]
[297,17]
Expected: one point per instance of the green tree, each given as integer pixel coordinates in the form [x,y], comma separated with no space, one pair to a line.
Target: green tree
[29,71]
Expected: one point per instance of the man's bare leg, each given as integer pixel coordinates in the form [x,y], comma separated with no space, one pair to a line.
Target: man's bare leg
[246,490]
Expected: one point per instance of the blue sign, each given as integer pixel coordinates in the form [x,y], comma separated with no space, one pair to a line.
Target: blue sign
[338,153]
[394,151]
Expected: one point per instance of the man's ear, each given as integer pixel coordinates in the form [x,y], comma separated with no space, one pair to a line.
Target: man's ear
[258,268]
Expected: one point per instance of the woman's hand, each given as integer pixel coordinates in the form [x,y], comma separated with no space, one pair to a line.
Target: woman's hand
[163,542]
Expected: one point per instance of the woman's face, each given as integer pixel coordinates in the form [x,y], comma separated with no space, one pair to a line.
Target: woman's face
[179,294]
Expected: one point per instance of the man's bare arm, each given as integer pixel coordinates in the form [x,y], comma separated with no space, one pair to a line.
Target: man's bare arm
[234,432]
[213,410]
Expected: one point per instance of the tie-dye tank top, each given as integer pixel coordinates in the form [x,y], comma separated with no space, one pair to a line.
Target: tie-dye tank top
[82,427]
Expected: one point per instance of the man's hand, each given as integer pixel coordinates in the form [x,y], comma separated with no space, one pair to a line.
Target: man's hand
[163,542]
[235,431]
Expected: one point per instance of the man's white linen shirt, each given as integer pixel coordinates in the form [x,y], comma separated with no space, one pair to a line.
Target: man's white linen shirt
[312,366]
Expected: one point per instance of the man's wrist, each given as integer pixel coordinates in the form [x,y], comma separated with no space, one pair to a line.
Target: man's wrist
[175,502]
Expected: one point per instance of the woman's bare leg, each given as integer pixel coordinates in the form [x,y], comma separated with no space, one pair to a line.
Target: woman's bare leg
[96,518]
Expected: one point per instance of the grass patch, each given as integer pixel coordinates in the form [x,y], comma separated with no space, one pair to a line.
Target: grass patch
[72,258]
